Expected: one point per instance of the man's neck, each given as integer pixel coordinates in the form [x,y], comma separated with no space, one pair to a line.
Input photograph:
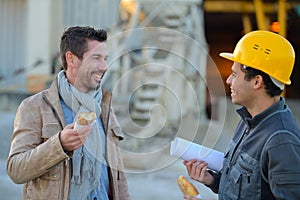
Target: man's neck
[261,105]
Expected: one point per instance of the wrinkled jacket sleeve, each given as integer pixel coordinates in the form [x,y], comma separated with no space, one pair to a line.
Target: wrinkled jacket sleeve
[31,155]
[282,156]
[215,185]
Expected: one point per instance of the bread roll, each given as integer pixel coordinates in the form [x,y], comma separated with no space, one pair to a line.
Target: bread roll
[84,119]
[186,187]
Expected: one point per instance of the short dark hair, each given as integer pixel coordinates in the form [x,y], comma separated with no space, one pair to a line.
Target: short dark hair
[74,39]
[270,87]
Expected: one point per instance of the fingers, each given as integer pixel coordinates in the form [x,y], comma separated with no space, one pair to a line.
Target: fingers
[188,165]
[186,162]
[83,133]
[197,169]
[70,126]
[71,139]
[84,130]
[203,173]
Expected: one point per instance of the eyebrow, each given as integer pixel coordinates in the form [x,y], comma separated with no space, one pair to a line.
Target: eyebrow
[100,55]
[233,71]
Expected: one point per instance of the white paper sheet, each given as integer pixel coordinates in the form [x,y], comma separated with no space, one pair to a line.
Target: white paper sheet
[187,150]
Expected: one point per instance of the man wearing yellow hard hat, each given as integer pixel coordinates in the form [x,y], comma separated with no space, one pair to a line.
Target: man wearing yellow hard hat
[263,159]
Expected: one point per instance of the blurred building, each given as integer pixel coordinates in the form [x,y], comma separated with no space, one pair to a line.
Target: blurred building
[29,56]
[30,32]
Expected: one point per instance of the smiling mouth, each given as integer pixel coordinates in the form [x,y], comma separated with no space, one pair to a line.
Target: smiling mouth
[98,76]
[232,91]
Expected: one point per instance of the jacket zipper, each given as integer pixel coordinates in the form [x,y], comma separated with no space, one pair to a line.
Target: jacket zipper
[233,155]
[240,141]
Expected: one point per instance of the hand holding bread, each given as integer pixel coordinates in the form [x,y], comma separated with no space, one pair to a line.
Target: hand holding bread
[74,135]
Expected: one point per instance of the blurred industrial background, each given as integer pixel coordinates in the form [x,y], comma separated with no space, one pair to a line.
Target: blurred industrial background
[164,71]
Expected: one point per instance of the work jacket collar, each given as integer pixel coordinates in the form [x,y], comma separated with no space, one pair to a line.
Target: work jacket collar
[254,121]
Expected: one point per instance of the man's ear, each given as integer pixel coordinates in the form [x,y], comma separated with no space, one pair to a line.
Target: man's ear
[258,82]
[70,58]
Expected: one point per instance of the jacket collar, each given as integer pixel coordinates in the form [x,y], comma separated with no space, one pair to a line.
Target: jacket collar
[105,108]
[253,122]
[52,97]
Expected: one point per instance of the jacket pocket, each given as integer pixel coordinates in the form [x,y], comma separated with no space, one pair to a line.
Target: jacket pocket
[54,173]
[118,133]
[243,179]
[50,129]
[233,186]
[47,186]
[237,186]
[286,184]
[287,178]
[249,178]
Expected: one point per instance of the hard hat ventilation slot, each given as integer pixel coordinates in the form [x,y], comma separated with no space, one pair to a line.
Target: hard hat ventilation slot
[256,46]
[267,51]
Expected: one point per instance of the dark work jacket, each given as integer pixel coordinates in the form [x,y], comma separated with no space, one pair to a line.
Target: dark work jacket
[263,159]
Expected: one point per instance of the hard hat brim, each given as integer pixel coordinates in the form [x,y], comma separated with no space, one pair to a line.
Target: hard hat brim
[228,56]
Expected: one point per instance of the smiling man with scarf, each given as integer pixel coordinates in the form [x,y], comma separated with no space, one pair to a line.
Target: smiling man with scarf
[51,158]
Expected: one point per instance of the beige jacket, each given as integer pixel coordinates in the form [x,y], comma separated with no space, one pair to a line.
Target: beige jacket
[36,156]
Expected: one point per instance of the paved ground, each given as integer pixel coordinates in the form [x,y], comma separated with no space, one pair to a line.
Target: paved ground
[148,186]
[162,184]
[8,190]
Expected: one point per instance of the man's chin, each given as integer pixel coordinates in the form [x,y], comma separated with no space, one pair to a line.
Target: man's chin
[233,101]
[94,87]
[236,102]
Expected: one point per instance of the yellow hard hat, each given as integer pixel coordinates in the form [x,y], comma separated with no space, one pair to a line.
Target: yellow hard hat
[266,51]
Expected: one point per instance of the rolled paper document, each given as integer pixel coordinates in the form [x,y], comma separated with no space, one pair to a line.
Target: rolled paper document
[187,150]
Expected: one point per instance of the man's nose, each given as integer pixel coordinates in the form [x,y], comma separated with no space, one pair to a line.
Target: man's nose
[228,80]
[103,66]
